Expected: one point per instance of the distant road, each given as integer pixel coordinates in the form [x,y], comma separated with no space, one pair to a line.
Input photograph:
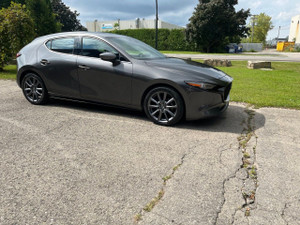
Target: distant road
[266,55]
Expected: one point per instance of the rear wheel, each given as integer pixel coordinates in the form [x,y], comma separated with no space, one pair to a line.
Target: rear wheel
[164,106]
[34,89]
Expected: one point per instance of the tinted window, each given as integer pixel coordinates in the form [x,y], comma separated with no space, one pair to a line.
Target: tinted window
[48,44]
[93,47]
[64,45]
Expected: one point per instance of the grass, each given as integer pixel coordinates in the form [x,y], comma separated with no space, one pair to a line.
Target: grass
[193,53]
[138,217]
[154,201]
[226,53]
[180,52]
[277,88]
[9,72]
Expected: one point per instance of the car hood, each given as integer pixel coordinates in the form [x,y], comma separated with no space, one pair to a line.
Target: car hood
[188,68]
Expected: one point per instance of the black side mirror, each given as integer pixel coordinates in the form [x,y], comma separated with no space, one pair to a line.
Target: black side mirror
[108,56]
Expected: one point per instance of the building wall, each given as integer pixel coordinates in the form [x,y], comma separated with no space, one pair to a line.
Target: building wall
[104,26]
[295,29]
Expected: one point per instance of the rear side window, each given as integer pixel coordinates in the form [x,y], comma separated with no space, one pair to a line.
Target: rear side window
[63,45]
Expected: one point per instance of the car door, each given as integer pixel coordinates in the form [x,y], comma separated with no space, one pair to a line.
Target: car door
[57,62]
[100,80]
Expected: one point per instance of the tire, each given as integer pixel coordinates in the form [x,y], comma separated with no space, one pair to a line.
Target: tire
[164,106]
[34,89]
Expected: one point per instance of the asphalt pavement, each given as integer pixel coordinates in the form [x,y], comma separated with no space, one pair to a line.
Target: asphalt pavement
[75,163]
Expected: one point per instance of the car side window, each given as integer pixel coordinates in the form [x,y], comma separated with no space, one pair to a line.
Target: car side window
[93,47]
[63,45]
[48,44]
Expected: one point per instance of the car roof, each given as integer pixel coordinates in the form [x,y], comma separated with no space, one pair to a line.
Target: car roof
[79,33]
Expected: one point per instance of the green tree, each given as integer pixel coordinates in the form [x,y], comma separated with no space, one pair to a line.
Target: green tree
[215,22]
[15,31]
[6,3]
[66,17]
[262,24]
[43,17]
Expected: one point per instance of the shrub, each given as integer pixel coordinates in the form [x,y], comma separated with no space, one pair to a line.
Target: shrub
[167,39]
[15,31]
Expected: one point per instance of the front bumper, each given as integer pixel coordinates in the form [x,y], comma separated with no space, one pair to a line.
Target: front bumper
[207,104]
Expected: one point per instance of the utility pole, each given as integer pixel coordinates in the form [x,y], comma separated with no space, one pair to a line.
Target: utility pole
[253,24]
[156,25]
[278,33]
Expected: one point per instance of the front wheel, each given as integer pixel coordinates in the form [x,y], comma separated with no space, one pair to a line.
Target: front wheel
[164,106]
[34,89]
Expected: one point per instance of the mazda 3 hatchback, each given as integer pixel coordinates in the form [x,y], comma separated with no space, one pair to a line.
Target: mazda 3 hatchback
[121,71]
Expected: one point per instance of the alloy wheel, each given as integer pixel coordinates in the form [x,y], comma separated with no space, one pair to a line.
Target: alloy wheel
[162,107]
[34,89]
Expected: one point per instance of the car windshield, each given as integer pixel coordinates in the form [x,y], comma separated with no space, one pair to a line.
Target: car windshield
[136,48]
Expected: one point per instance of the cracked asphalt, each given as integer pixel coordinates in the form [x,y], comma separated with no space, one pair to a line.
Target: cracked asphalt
[74,163]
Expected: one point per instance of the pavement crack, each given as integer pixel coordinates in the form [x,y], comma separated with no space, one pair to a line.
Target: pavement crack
[223,194]
[149,206]
[224,149]
[283,213]
[245,175]
[247,145]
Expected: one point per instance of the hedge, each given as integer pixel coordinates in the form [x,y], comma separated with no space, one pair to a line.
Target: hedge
[168,40]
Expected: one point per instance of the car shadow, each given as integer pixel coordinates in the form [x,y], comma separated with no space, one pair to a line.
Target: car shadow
[233,120]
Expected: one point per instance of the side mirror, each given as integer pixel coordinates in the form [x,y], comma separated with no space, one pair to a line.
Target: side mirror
[108,56]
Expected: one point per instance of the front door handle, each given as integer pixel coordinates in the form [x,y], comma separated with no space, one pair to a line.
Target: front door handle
[44,62]
[84,67]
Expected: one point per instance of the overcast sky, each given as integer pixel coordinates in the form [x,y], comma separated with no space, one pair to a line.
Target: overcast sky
[179,11]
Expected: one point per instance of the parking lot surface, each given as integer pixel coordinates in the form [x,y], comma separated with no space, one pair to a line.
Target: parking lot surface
[75,163]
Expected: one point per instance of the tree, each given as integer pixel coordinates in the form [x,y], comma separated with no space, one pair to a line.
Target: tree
[66,17]
[262,24]
[6,3]
[43,17]
[15,31]
[117,26]
[215,22]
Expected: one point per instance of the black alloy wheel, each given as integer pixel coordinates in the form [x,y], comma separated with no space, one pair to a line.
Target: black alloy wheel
[164,106]
[34,89]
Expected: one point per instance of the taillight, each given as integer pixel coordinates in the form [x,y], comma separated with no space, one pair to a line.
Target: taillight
[18,55]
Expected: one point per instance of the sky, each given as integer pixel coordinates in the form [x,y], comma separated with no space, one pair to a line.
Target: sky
[179,11]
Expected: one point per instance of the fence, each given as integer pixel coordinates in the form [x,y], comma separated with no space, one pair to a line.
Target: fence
[247,47]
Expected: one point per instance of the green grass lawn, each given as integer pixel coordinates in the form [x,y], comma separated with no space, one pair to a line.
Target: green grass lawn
[180,52]
[203,53]
[9,73]
[277,88]
[194,53]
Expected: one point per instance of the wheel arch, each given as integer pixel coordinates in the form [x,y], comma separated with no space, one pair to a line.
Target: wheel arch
[26,70]
[162,84]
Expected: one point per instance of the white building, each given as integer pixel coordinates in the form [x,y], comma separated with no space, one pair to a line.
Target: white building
[295,30]
[104,26]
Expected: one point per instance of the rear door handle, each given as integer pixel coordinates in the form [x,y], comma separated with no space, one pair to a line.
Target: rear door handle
[84,67]
[44,62]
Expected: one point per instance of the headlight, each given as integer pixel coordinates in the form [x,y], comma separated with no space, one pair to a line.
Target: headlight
[202,85]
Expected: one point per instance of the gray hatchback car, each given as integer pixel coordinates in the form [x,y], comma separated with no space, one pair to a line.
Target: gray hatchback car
[122,71]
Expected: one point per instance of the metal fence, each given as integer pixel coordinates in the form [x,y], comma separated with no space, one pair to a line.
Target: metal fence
[247,47]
